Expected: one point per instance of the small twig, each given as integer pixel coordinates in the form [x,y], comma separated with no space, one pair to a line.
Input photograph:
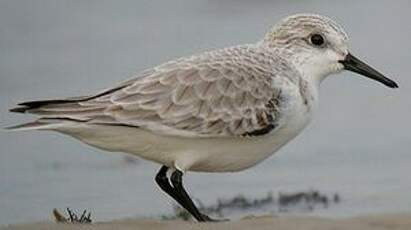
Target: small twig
[85,217]
[72,216]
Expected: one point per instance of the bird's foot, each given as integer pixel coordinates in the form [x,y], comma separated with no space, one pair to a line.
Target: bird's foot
[209,219]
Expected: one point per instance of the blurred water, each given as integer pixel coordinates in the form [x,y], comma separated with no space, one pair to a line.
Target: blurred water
[357,146]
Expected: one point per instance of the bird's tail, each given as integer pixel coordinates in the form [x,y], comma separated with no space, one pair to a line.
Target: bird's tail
[54,114]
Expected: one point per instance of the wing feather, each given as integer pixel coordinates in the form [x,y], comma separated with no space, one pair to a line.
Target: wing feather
[226,92]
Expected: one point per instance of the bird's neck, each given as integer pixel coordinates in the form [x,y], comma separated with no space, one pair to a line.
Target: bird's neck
[312,74]
[309,90]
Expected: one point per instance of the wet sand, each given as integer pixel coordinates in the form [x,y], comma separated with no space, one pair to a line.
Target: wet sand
[375,222]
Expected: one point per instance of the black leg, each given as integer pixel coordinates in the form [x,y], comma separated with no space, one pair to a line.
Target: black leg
[178,193]
[177,181]
[164,183]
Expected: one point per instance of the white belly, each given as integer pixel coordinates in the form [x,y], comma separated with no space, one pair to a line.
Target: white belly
[192,154]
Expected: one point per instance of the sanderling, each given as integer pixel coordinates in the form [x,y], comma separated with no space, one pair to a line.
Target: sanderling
[219,111]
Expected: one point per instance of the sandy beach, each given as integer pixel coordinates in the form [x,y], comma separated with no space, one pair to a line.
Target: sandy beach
[375,222]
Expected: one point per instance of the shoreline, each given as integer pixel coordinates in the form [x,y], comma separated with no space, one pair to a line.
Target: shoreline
[400,221]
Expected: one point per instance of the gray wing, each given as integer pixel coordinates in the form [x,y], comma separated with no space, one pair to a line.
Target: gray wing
[226,92]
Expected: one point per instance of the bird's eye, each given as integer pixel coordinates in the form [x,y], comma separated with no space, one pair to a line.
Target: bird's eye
[317,39]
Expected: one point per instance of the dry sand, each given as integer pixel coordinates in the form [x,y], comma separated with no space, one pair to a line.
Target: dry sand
[391,221]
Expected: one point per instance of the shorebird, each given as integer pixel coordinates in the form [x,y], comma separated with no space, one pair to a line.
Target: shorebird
[219,111]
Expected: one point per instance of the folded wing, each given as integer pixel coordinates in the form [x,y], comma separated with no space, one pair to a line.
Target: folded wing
[227,92]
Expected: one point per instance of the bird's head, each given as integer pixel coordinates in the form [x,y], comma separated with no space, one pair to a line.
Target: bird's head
[318,47]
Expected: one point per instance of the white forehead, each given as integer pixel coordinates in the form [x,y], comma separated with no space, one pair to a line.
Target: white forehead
[301,22]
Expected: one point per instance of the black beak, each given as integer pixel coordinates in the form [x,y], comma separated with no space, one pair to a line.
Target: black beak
[354,64]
